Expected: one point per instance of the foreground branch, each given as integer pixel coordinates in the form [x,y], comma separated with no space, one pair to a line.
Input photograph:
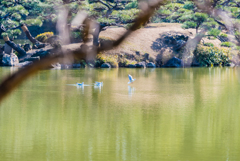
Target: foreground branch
[83,52]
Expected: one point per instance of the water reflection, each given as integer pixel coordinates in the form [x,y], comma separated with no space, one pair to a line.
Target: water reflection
[175,114]
[130,91]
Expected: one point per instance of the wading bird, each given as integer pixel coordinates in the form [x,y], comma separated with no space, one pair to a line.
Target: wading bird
[130,79]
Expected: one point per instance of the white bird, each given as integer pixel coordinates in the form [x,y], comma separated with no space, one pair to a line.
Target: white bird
[130,79]
[99,84]
[80,84]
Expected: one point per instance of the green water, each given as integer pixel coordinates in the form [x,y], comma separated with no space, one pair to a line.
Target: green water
[188,114]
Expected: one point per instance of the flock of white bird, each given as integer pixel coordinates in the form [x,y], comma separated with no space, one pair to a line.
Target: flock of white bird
[100,84]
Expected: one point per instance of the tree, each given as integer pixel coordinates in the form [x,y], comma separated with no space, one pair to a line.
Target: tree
[13,13]
[199,15]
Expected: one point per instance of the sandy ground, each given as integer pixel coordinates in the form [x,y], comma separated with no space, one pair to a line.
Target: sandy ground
[148,39]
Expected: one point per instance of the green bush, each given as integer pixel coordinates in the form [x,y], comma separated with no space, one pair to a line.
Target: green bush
[223,35]
[189,24]
[214,32]
[208,44]
[189,5]
[211,56]
[227,44]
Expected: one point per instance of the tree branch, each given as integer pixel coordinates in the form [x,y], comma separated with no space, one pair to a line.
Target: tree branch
[83,52]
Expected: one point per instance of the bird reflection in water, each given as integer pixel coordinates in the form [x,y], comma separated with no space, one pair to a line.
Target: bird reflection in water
[130,91]
[80,88]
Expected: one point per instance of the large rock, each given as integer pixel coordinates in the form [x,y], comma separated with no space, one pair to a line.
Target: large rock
[27,47]
[174,62]
[151,65]
[76,65]
[131,66]
[141,65]
[10,59]
[37,58]
[23,64]
[105,65]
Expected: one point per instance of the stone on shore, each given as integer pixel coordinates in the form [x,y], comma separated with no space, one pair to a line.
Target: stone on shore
[10,59]
[131,66]
[141,65]
[105,65]
[151,65]
[174,62]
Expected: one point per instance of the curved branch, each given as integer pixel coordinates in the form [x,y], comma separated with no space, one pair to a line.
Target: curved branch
[83,52]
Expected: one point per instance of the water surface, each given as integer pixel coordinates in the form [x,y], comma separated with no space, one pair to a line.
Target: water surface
[189,114]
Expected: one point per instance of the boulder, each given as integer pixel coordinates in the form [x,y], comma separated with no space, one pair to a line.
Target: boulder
[146,56]
[105,65]
[23,64]
[141,65]
[32,58]
[66,66]
[10,59]
[76,65]
[151,65]
[174,62]
[131,66]
[27,47]
[230,65]
[180,44]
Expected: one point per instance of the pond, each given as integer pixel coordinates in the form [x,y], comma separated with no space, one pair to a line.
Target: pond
[166,114]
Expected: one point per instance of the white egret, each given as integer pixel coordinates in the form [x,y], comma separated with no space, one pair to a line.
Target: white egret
[80,84]
[130,79]
[99,84]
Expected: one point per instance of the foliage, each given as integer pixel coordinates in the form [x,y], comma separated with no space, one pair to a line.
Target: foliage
[44,36]
[227,44]
[103,58]
[30,12]
[208,44]
[212,56]
[214,32]
[223,35]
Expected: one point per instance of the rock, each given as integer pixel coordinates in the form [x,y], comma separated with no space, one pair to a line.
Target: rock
[131,66]
[27,47]
[76,65]
[23,64]
[8,49]
[10,60]
[37,58]
[146,56]
[137,53]
[230,65]
[66,66]
[151,65]
[105,65]
[141,65]
[180,44]
[174,62]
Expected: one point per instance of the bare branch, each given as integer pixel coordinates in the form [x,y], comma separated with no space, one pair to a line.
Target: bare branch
[83,52]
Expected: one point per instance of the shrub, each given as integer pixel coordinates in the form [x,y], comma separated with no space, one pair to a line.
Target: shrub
[227,44]
[208,44]
[189,5]
[223,35]
[214,32]
[44,36]
[189,24]
[209,56]
[103,58]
